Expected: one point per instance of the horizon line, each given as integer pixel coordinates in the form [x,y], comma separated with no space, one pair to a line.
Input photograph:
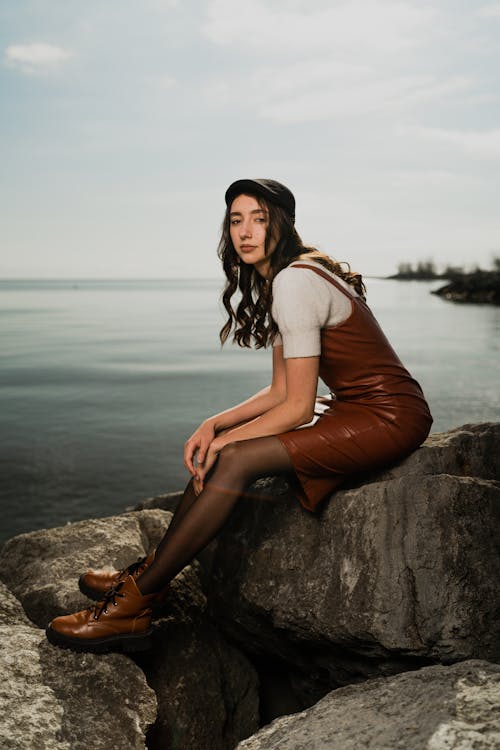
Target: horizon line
[134,278]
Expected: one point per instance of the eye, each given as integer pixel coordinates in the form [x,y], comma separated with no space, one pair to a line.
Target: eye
[235,221]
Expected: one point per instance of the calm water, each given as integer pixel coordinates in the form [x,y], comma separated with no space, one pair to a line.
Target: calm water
[101,383]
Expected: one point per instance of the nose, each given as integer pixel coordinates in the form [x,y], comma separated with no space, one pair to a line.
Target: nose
[245,228]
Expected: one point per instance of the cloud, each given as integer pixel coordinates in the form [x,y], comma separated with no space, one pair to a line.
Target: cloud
[35,58]
[484,143]
[490,11]
[167,81]
[344,99]
[161,4]
[382,26]
[328,90]
[432,178]
[162,81]
[342,60]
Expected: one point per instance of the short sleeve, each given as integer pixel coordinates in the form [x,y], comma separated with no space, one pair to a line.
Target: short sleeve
[301,308]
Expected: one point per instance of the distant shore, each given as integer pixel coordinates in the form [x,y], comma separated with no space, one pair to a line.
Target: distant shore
[477,287]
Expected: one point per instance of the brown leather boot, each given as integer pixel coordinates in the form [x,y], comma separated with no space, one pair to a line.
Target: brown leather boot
[120,622]
[95,583]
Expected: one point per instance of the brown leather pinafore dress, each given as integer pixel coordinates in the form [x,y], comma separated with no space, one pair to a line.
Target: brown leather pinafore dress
[378,413]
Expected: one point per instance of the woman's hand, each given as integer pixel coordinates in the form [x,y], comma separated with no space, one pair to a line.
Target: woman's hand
[204,467]
[198,445]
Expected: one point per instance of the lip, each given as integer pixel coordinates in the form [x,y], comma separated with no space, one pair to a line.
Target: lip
[247,248]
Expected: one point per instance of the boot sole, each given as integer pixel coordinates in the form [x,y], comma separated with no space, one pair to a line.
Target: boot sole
[126,643]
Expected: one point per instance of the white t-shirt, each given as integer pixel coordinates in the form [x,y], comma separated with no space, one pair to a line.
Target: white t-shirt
[304,303]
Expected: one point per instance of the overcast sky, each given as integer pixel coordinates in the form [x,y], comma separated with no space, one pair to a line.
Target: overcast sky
[123,122]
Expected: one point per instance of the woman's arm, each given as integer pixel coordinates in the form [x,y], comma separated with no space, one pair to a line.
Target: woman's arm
[295,410]
[237,415]
[259,403]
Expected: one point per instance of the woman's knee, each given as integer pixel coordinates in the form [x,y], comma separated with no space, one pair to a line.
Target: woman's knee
[231,460]
[230,453]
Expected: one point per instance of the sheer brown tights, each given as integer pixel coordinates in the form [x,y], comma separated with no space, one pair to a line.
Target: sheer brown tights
[198,519]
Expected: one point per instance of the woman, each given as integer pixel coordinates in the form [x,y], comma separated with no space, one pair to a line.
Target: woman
[313,312]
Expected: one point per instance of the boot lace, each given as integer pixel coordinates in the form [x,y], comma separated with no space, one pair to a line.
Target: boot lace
[134,567]
[109,598]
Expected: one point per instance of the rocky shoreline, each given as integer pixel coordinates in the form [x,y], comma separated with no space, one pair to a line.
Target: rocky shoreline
[478,287]
[373,624]
[474,287]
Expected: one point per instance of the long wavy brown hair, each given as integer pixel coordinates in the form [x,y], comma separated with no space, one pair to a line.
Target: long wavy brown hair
[252,321]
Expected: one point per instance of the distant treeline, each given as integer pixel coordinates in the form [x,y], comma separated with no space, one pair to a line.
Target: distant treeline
[426,269]
[423,270]
[478,285]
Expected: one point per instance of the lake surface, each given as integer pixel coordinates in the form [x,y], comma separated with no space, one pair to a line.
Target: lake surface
[102,382]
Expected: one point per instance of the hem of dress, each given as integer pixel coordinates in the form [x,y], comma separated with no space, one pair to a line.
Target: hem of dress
[298,490]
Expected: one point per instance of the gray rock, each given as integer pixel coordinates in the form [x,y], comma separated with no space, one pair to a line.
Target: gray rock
[52,699]
[207,690]
[435,708]
[11,610]
[42,568]
[387,577]
[470,451]
[168,501]
[398,571]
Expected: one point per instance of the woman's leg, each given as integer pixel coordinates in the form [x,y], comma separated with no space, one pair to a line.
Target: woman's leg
[239,464]
[188,498]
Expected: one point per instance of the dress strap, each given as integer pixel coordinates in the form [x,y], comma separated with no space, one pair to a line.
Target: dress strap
[322,273]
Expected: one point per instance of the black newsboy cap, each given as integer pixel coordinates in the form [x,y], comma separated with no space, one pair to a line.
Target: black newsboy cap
[271,189]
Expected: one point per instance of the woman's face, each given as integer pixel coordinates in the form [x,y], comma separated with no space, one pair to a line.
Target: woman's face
[248,228]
